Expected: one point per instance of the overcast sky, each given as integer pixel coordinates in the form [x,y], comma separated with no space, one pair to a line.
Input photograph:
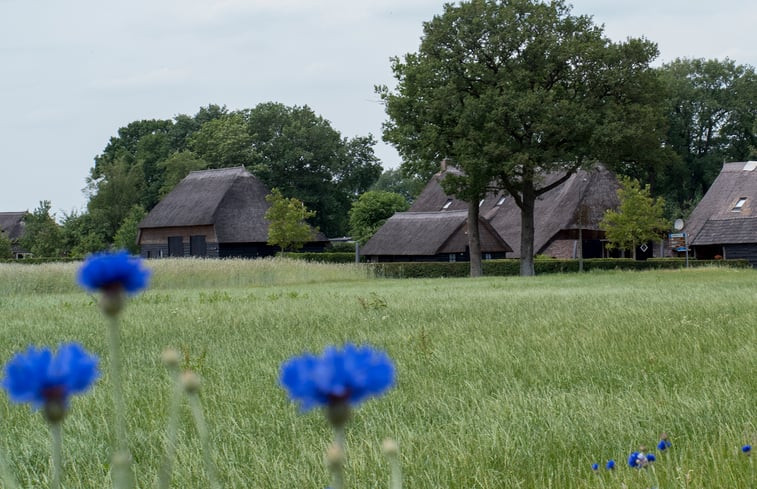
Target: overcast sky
[72,72]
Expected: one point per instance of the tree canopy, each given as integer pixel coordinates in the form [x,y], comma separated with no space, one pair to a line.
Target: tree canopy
[287,228]
[711,108]
[511,90]
[638,219]
[370,212]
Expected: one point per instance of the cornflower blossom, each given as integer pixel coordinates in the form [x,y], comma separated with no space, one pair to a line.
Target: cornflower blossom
[663,445]
[639,460]
[47,380]
[610,465]
[117,271]
[347,376]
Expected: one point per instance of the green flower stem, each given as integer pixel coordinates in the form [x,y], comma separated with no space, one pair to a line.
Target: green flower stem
[392,452]
[164,476]
[56,430]
[123,478]
[335,459]
[202,432]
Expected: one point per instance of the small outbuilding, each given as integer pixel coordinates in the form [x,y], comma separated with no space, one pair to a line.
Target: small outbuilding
[12,225]
[724,223]
[431,236]
[213,213]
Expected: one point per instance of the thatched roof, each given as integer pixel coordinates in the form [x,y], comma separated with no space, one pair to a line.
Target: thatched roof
[232,199]
[430,233]
[555,210]
[12,224]
[717,219]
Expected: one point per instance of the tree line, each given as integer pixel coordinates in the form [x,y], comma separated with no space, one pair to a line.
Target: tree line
[505,89]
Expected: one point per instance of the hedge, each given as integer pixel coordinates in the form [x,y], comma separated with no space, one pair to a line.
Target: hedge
[325,257]
[512,267]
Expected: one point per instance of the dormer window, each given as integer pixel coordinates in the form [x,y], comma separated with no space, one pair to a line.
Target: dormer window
[739,205]
[500,201]
[447,204]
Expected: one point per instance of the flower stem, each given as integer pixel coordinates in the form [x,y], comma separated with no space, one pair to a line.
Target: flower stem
[164,476]
[335,458]
[123,478]
[56,430]
[202,432]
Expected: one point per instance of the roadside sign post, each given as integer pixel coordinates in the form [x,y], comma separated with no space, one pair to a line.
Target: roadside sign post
[679,242]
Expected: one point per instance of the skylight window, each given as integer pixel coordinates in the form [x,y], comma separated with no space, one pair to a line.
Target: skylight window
[447,204]
[481,203]
[501,201]
[739,205]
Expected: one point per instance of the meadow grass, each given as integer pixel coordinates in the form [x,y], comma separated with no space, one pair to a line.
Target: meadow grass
[503,382]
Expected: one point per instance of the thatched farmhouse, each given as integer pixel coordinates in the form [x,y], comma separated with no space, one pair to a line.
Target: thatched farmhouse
[431,236]
[212,213]
[578,203]
[724,223]
[12,225]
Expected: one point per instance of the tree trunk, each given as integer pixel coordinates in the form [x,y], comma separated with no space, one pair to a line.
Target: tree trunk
[527,232]
[474,239]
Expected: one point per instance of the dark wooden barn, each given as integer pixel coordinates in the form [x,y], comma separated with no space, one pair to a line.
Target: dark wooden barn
[578,203]
[12,225]
[724,223]
[212,213]
[431,236]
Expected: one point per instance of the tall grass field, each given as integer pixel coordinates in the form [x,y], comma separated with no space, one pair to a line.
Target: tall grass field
[502,382]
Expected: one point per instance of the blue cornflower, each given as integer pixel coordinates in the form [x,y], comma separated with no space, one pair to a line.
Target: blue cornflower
[637,460]
[651,457]
[47,380]
[663,445]
[746,449]
[610,464]
[348,376]
[113,272]
[595,467]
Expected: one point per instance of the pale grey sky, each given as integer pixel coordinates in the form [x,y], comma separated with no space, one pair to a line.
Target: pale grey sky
[75,71]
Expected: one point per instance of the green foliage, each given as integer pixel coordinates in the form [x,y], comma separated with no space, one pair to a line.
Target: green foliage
[176,167]
[327,257]
[42,235]
[300,153]
[512,90]
[224,142]
[126,236]
[394,180]
[712,111]
[370,212]
[6,249]
[512,267]
[639,217]
[287,227]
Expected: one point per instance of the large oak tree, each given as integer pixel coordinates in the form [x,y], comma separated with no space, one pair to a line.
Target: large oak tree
[512,90]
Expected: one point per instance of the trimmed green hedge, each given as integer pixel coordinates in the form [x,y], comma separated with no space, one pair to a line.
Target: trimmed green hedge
[326,257]
[512,267]
[38,261]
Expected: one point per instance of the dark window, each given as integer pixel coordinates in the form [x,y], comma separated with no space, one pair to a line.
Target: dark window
[175,246]
[197,246]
